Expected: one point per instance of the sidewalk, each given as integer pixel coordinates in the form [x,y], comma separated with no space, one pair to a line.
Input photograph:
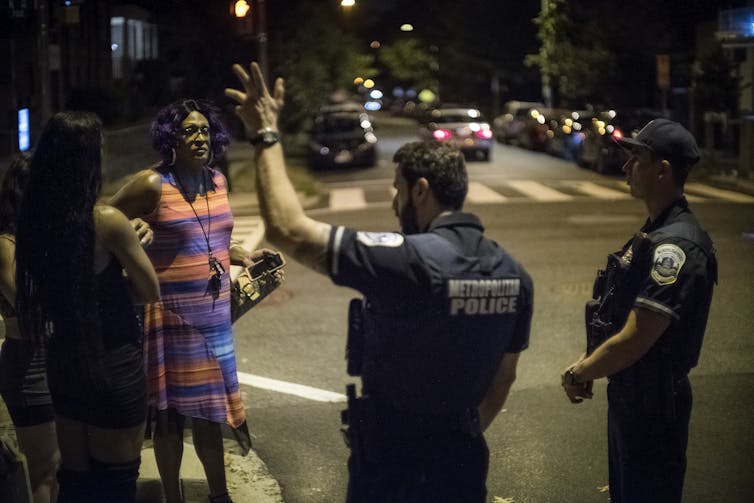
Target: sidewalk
[249,481]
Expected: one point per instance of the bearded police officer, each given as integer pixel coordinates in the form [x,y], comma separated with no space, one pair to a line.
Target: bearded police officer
[436,339]
[646,323]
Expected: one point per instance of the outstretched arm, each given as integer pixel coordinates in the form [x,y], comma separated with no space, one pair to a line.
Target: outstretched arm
[288,227]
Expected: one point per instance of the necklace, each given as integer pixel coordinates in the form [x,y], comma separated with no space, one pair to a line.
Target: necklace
[216,269]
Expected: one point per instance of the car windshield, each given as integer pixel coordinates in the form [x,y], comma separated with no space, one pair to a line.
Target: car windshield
[337,124]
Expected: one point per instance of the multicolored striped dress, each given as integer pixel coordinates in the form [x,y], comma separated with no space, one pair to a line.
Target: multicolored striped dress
[188,349]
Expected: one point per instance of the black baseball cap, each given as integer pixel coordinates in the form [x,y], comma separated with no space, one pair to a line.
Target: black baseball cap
[667,139]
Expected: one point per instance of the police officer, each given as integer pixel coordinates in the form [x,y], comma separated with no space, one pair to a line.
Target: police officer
[646,323]
[436,339]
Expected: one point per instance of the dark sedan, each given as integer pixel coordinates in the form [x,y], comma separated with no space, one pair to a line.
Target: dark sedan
[342,138]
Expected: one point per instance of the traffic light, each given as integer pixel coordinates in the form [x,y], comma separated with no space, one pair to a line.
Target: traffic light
[241,12]
[240,8]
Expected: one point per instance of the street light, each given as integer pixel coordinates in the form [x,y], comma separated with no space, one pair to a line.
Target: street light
[241,8]
[347,3]
[407,27]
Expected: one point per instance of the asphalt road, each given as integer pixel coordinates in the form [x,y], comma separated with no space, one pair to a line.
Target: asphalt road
[543,449]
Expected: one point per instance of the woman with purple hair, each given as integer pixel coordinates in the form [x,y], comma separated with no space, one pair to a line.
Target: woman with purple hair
[189,351]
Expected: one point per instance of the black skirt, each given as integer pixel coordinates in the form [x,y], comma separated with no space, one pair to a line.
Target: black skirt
[23,383]
[110,395]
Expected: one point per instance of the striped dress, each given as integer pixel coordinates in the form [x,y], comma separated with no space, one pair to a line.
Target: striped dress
[188,349]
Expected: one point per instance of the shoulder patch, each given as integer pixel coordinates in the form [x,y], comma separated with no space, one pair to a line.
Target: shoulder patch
[389,239]
[666,264]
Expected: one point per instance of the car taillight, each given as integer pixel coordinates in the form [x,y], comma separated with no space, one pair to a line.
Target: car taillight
[441,134]
[484,133]
[617,134]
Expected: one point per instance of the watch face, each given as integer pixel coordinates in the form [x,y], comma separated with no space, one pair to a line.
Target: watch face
[269,138]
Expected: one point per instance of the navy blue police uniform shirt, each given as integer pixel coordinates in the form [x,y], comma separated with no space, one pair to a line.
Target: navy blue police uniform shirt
[680,281]
[425,363]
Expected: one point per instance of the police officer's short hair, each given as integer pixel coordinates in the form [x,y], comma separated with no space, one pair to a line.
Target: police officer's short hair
[441,165]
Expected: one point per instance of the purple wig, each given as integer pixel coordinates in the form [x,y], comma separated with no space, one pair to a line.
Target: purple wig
[166,128]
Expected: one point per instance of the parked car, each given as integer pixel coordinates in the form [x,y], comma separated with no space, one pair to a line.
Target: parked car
[509,125]
[464,128]
[599,149]
[537,129]
[568,133]
[342,137]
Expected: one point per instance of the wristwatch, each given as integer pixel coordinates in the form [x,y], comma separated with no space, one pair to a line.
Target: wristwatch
[569,378]
[265,137]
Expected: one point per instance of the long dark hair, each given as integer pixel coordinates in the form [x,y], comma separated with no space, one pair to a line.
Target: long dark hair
[12,191]
[55,236]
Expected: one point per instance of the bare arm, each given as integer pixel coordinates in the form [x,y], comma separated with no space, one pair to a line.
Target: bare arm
[8,269]
[140,196]
[288,227]
[498,391]
[642,330]
[116,235]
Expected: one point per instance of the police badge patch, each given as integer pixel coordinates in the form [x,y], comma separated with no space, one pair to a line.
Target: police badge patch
[389,239]
[667,263]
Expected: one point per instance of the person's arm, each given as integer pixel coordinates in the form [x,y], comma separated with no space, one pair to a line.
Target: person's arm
[496,394]
[139,197]
[8,270]
[287,226]
[117,236]
[642,330]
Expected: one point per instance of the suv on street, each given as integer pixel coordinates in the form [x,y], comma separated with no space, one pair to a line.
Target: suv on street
[464,128]
[342,137]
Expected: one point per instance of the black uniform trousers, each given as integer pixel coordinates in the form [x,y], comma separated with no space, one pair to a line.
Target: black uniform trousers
[647,444]
[449,468]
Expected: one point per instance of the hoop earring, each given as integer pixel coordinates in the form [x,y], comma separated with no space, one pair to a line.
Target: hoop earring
[172,160]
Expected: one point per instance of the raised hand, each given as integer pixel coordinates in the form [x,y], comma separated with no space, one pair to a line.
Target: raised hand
[256,107]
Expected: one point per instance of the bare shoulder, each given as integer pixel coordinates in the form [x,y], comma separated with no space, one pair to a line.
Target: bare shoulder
[140,195]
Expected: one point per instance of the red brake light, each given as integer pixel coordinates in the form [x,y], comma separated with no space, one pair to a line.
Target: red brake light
[617,134]
[484,133]
[441,134]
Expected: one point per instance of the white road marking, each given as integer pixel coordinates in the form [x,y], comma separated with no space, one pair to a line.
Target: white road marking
[624,187]
[347,199]
[598,191]
[602,219]
[538,191]
[727,195]
[299,390]
[481,194]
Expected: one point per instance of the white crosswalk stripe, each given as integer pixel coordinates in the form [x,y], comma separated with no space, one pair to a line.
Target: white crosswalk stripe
[347,199]
[350,198]
[481,194]
[538,191]
[598,191]
[728,195]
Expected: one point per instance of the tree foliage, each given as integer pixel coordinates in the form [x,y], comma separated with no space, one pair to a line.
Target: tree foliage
[573,58]
[410,63]
[317,60]
[716,84]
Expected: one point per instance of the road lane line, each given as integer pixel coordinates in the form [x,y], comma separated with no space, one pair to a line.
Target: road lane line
[347,199]
[598,191]
[289,388]
[538,191]
[481,194]
[728,195]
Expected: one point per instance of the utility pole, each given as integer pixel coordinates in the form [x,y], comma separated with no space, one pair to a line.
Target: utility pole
[43,44]
[262,40]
